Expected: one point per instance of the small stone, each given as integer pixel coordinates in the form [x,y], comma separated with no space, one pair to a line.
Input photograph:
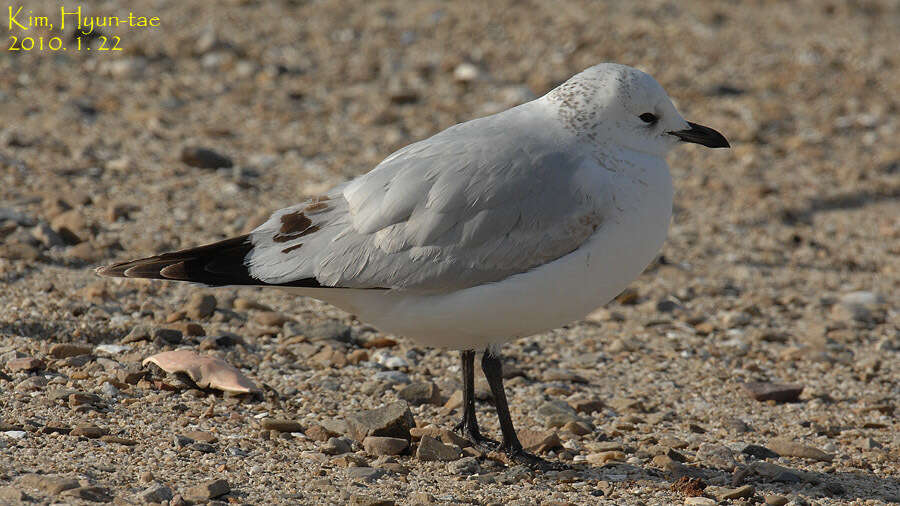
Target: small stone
[556,413]
[47,484]
[418,393]
[587,406]
[319,433]
[667,463]
[392,420]
[365,473]
[19,251]
[118,440]
[514,475]
[31,384]
[578,428]
[165,336]
[763,391]
[26,364]
[337,446]
[602,458]
[322,331]
[11,495]
[357,356]
[281,425]
[47,236]
[204,158]
[466,73]
[270,319]
[539,441]
[93,494]
[673,442]
[65,350]
[562,375]
[736,493]
[71,226]
[454,402]
[699,501]
[760,452]
[717,456]
[465,466]
[138,333]
[775,500]
[431,449]
[156,492]
[207,490]
[787,448]
[379,445]
[88,431]
[200,305]
[626,405]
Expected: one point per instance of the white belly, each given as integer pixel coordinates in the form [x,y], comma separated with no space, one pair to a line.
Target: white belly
[544,298]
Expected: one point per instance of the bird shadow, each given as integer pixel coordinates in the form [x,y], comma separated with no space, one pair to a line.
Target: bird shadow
[842,201]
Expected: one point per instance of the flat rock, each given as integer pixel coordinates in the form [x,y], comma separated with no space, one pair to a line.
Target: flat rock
[465,466]
[92,494]
[431,449]
[11,495]
[47,484]
[365,473]
[207,490]
[699,501]
[566,375]
[775,500]
[88,431]
[118,440]
[156,492]
[321,331]
[281,425]
[26,364]
[587,406]
[392,420]
[718,456]
[138,333]
[539,441]
[764,391]
[66,350]
[421,392]
[760,452]
[736,493]
[787,448]
[163,336]
[379,445]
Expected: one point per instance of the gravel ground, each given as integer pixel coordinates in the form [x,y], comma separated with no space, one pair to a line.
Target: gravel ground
[778,281]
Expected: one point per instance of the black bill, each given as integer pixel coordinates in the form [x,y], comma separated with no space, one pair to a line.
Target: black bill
[702,135]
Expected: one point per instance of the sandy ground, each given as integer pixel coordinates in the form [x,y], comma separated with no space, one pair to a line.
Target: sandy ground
[782,264]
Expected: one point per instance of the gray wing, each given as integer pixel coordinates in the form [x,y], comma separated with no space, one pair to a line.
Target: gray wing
[474,204]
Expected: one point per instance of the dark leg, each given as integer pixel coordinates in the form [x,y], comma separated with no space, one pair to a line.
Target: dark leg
[493,371]
[468,426]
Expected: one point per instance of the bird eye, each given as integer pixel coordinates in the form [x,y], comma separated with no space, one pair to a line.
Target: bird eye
[648,117]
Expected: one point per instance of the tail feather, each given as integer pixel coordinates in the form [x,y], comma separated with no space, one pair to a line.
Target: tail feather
[217,264]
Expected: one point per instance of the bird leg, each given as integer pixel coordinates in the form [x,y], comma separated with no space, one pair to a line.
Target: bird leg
[468,426]
[492,366]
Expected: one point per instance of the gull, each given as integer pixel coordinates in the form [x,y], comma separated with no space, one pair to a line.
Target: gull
[494,229]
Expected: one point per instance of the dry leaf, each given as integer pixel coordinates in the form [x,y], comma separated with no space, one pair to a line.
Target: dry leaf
[206,371]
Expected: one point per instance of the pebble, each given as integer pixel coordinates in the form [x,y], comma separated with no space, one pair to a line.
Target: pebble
[11,495]
[321,331]
[466,73]
[92,494]
[200,305]
[699,501]
[716,455]
[138,333]
[465,466]
[736,493]
[587,406]
[763,391]
[601,458]
[31,384]
[420,392]
[337,446]
[48,484]
[760,452]
[26,364]
[775,500]
[47,236]
[88,431]
[204,158]
[281,425]
[118,440]
[270,318]
[207,490]
[65,350]
[379,445]
[539,441]
[555,374]
[787,448]
[155,493]
[163,336]
[431,449]
[392,420]
[365,473]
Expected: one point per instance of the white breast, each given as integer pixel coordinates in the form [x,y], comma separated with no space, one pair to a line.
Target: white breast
[544,298]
